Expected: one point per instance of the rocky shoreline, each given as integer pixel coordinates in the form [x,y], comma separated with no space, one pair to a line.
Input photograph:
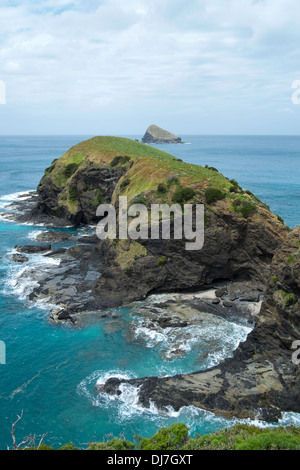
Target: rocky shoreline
[248,271]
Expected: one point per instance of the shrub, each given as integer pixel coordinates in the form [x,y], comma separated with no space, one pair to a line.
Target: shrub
[235,188]
[125,183]
[212,168]
[183,195]
[161,188]
[139,199]
[120,160]
[171,438]
[113,444]
[69,446]
[73,193]
[162,261]
[213,195]
[270,441]
[70,169]
[244,208]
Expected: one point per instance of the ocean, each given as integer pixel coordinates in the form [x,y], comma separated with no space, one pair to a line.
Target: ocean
[51,370]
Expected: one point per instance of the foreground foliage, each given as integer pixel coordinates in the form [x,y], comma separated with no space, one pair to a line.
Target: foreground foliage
[176,437]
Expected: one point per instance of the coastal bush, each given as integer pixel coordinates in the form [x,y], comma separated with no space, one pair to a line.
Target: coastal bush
[270,441]
[70,169]
[213,195]
[235,188]
[244,207]
[182,195]
[162,188]
[171,438]
[73,193]
[162,261]
[69,446]
[120,160]
[212,168]
[113,444]
[139,199]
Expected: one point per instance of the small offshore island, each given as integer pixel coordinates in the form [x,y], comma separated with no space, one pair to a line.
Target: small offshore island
[250,258]
[157,135]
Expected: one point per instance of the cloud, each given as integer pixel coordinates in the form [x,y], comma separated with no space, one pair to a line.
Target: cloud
[169,54]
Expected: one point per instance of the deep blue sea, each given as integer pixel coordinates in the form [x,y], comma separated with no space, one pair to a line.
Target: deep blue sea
[51,370]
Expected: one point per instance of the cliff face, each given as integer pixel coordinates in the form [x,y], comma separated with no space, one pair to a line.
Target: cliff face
[156,135]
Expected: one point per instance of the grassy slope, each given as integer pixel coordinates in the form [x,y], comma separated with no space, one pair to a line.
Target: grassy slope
[150,167]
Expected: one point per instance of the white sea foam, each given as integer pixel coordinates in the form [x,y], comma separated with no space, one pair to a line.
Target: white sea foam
[34,234]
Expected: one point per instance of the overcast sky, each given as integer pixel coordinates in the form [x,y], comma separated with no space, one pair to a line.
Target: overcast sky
[116,66]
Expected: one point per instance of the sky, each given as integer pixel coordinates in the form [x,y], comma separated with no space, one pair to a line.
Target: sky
[113,67]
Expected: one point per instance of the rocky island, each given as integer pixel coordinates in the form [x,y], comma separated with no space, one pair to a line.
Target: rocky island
[249,255]
[157,135]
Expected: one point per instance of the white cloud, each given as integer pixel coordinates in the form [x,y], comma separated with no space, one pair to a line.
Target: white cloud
[165,54]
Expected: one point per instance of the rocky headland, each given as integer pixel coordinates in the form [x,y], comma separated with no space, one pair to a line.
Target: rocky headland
[249,256]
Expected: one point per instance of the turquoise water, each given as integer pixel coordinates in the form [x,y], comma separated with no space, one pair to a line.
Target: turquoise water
[51,370]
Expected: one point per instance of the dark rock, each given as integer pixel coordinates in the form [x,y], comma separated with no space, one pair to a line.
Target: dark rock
[32,249]
[53,236]
[227,304]
[221,292]
[19,258]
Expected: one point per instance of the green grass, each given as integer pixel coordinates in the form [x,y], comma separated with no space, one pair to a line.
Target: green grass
[149,171]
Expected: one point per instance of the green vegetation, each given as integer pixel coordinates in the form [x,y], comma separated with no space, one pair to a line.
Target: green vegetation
[244,207]
[139,199]
[162,188]
[113,444]
[149,174]
[73,193]
[213,195]
[171,438]
[120,160]
[211,168]
[235,188]
[274,279]
[162,261]
[70,169]
[176,437]
[182,195]
[285,298]
[125,183]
